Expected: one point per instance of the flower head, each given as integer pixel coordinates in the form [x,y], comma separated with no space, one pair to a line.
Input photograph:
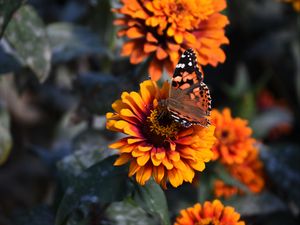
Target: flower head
[156,145]
[234,140]
[213,213]
[162,29]
[221,189]
[250,173]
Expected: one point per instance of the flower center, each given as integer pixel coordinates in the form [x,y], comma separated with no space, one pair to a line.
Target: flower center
[194,11]
[160,128]
[177,7]
[226,136]
[180,8]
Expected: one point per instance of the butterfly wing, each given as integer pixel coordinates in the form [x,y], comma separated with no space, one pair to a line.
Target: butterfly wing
[189,99]
[187,71]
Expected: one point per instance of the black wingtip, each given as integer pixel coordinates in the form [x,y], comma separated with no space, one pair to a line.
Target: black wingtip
[190,50]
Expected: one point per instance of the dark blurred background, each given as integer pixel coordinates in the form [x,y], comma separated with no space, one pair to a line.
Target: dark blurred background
[60,70]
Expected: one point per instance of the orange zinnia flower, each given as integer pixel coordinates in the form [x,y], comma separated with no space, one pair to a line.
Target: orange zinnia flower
[155,145]
[214,213]
[234,140]
[162,29]
[296,4]
[250,173]
[224,190]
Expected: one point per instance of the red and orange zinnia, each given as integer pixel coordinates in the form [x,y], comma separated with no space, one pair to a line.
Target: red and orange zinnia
[157,146]
[221,189]
[234,141]
[214,213]
[250,173]
[236,149]
[162,29]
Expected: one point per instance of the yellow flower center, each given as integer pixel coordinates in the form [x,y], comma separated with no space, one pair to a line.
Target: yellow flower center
[160,125]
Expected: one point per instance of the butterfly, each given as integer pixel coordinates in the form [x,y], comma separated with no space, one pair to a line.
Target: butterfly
[189,101]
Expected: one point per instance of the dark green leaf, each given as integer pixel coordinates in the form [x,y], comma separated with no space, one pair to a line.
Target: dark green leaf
[101,183]
[90,139]
[247,106]
[152,199]
[128,213]
[69,41]
[7,9]
[241,84]
[101,19]
[241,93]
[188,193]
[27,36]
[89,149]
[205,189]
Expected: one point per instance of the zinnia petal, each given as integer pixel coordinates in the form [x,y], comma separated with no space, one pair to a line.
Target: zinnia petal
[143,175]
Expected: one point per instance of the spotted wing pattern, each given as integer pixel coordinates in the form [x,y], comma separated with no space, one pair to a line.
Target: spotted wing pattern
[189,100]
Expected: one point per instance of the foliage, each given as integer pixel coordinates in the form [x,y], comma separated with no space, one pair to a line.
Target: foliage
[60,71]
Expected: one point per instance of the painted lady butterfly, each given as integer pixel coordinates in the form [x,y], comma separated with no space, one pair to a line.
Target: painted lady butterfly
[189,101]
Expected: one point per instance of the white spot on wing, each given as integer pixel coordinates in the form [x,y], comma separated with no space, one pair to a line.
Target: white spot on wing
[180,65]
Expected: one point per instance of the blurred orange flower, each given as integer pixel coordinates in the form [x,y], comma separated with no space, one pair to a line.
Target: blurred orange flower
[295,3]
[163,29]
[214,213]
[224,190]
[156,145]
[234,140]
[250,173]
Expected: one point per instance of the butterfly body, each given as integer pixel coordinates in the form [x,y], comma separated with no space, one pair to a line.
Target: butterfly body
[189,101]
